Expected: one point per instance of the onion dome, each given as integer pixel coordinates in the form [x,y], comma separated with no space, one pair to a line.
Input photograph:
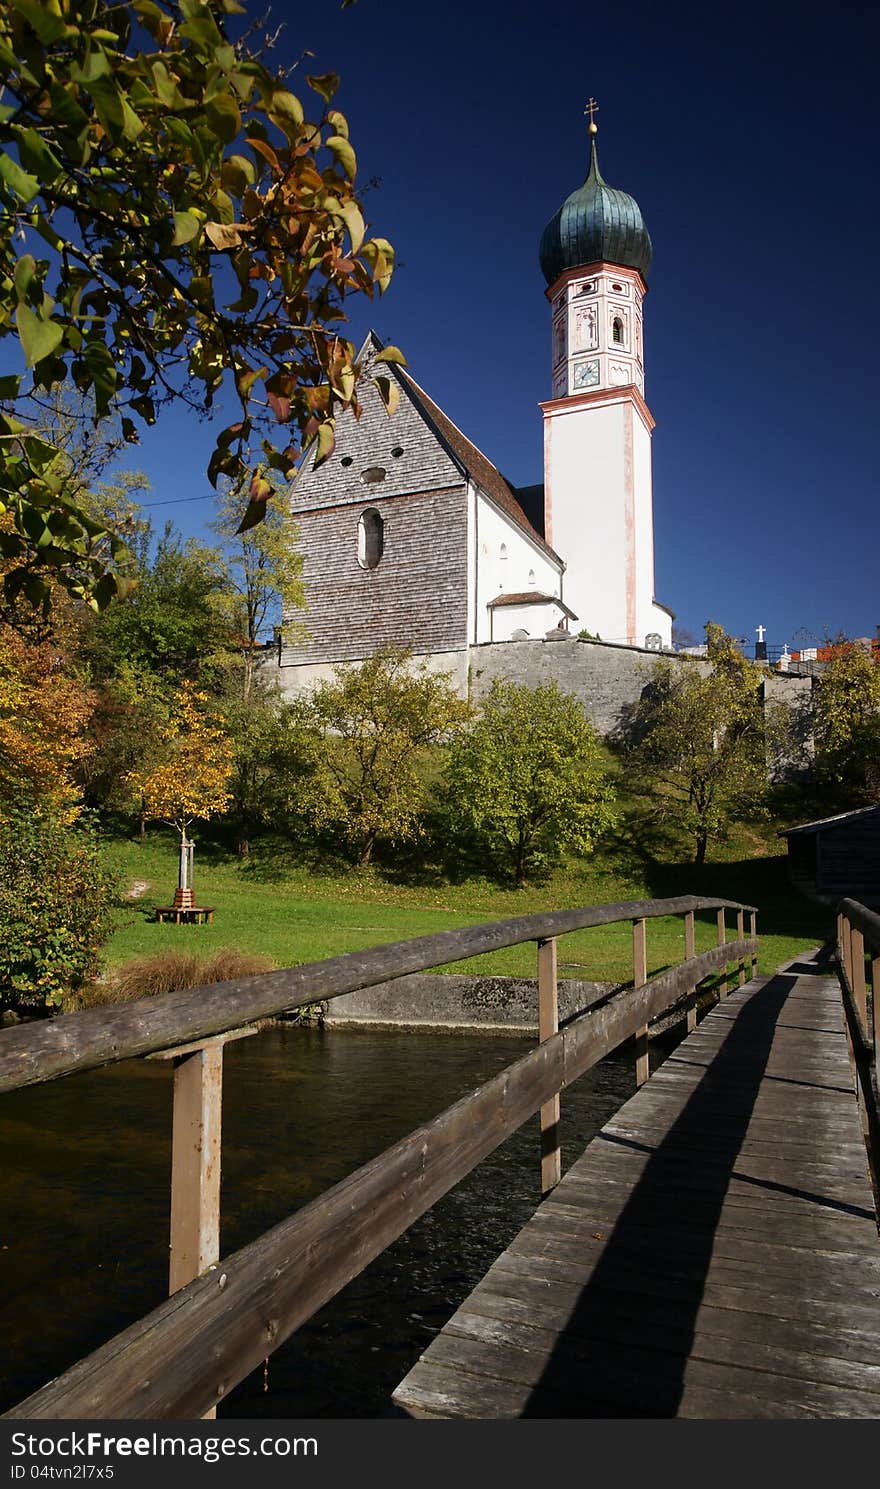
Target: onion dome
[597,223]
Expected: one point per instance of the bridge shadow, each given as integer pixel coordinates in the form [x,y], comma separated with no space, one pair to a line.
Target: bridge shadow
[626,1344]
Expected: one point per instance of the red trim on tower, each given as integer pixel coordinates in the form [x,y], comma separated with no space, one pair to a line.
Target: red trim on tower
[599,267]
[626,393]
[630,526]
[548,485]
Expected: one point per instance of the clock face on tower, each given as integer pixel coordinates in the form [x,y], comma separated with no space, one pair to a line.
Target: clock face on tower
[586,374]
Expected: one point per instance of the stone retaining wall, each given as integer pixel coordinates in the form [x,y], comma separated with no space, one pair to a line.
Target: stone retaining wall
[607,679]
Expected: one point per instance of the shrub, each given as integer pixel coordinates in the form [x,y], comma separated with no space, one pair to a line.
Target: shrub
[55,903]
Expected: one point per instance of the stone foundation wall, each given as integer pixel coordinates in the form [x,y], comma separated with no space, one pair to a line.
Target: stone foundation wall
[607,679]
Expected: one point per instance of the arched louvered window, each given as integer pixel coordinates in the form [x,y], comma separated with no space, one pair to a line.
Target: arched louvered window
[371,538]
[617,331]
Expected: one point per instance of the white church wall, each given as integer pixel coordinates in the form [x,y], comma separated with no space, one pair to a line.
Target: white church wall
[661,624]
[536,620]
[472,612]
[508,562]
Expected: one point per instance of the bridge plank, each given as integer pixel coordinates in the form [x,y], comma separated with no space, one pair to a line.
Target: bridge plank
[516,1273]
[554,1306]
[714,1252]
[736,1192]
[801,1356]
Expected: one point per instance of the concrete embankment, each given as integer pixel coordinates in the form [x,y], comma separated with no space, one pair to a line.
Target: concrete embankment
[439,1000]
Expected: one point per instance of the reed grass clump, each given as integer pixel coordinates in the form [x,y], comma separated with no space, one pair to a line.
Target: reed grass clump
[167,972]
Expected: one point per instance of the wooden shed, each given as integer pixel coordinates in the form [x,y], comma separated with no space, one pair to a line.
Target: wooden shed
[837,856]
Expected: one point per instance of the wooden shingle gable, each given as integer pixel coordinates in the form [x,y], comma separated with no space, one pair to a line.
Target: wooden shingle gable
[368,446]
[415,450]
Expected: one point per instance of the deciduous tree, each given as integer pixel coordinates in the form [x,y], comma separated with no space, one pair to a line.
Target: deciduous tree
[263,577]
[700,740]
[45,708]
[378,723]
[528,777]
[173,218]
[127,731]
[190,780]
[846,727]
[273,752]
[175,623]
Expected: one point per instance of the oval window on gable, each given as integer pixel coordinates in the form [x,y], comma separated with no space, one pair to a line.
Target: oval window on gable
[371,538]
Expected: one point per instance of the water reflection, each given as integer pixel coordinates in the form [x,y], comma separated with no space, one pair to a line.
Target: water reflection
[84,1184]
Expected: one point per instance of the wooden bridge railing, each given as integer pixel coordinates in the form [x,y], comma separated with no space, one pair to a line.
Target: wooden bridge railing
[858,959]
[223,1319]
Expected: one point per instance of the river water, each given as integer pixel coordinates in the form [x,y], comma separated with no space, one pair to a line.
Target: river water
[84,1185]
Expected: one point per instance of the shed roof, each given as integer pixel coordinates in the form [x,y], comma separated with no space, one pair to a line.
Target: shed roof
[531,597]
[836,821]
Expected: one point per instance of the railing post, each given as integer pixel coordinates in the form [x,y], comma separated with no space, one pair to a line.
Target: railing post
[195,1164]
[874,1035]
[722,938]
[740,935]
[846,947]
[548,1025]
[689,945]
[196,1133]
[857,976]
[753,932]
[640,977]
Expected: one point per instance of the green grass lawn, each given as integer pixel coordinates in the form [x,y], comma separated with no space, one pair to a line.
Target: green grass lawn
[274,905]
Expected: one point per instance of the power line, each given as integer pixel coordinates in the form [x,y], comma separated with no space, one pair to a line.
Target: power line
[175,501]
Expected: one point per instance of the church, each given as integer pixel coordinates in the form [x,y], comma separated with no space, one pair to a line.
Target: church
[410,535]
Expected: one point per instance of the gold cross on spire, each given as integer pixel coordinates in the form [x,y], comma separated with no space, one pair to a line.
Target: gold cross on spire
[591,109]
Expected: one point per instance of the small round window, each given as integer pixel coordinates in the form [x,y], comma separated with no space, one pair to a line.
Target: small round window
[370,539]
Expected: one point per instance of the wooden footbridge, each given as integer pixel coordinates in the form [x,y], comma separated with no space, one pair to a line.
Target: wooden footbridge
[713,1253]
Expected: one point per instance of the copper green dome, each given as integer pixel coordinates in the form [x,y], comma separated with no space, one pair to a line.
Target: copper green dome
[597,223]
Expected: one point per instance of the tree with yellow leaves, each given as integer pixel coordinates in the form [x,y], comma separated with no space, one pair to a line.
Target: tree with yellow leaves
[846,727]
[44,710]
[190,780]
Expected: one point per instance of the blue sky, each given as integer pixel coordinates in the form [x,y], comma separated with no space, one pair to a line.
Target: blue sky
[748,135]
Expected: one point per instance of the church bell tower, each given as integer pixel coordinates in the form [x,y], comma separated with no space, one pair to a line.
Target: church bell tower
[595,255]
